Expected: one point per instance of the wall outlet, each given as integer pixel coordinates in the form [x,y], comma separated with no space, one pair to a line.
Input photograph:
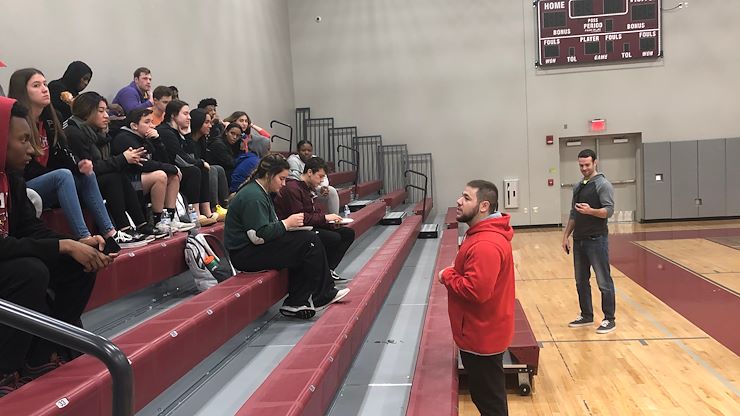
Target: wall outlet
[535,209]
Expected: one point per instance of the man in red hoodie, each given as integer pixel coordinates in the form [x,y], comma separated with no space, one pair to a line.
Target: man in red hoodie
[480,288]
[34,259]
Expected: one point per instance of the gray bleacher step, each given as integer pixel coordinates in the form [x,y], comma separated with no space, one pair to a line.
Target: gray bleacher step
[379,381]
[220,384]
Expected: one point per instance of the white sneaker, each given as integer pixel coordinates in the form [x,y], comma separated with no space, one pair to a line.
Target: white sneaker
[178,225]
[126,240]
[340,294]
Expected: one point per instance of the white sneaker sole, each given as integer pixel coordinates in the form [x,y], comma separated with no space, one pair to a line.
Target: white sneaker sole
[339,296]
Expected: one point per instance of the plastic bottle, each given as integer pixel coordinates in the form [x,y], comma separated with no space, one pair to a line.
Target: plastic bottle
[167,222]
[193,216]
[211,263]
[346,211]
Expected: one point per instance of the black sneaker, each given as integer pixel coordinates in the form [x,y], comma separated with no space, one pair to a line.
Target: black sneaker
[9,383]
[149,229]
[300,312]
[606,326]
[336,277]
[581,321]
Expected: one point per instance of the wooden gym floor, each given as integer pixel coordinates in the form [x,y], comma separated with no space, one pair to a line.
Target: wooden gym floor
[675,350]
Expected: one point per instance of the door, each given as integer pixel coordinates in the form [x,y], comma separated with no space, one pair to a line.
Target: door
[569,171]
[618,162]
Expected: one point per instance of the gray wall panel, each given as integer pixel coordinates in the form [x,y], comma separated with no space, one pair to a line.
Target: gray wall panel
[684,184]
[732,183]
[712,179]
[657,196]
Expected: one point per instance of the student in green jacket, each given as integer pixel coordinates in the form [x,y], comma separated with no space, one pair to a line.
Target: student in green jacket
[258,240]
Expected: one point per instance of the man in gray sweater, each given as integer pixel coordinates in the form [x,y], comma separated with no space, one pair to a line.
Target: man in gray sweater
[591,207]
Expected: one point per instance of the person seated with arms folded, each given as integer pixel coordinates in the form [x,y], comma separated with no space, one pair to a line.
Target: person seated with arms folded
[55,174]
[247,162]
[160,98]
[75,79]
[154,176]
[221,150]
[325,192]
[298,196]
[200,123]
[34,260]
[88,138]
[195,184]
[257,240]
[136,94]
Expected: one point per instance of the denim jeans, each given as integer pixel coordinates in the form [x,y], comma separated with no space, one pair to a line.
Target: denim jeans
[588,253]
[62,187]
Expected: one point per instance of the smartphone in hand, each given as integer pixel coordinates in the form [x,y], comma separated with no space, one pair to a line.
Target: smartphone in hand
[111,246]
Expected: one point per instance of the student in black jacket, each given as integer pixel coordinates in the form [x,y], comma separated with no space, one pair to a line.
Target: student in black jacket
[34,259]
[200,127]
[154,176]
[64,90]
[221,149]
[86,132]
[195,181]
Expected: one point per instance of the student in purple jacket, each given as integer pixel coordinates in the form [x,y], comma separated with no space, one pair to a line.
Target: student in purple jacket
[136,94]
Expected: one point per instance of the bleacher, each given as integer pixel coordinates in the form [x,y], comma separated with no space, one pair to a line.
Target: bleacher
[165,346]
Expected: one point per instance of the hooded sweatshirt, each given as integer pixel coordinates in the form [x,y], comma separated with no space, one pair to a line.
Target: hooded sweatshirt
[247,162]
[21,233]
[480,288]
[69,82]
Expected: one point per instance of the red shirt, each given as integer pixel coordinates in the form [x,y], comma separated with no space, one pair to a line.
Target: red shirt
[480,288]
[43,159]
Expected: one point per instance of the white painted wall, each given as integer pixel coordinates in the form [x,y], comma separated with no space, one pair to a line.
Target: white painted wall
[457,79]
[236,51]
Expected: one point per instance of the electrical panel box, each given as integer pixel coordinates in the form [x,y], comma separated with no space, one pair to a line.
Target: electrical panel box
[511,193]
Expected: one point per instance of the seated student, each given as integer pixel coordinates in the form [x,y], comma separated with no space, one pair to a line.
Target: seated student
[34,259]
[298,197]
[88,139]
[247,162]
[160,98]
[136,94]
[55,174]
[175,92]
[154,176]
[297,166]
[245,122]
[210,105]
[221,150]
[195,180]
[64,90]
[200,126]
[257,240]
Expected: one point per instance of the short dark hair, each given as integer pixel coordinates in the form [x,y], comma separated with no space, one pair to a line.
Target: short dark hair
[301,143]
[486,191]
[135,116]
[19,110]
[173,108]
[315,164]
[161,91]
[587,153]
[206,102]
[141,70]
[86,104]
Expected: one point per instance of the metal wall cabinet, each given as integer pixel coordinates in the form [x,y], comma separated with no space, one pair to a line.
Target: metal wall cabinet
[732,176]
[712,181]
[684,179]
[657,180]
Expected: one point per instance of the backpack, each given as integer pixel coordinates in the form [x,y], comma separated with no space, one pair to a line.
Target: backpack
[197,248]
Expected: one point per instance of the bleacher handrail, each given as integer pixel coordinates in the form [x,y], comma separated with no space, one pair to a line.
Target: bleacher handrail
[78,339]
[424,189]
[274,136]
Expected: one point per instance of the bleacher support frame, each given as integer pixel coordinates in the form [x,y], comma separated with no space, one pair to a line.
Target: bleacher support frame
[301,115]
[316,131]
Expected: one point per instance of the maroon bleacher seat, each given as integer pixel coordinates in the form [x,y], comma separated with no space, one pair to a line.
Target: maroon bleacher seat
[307,379]
[451,217]
[434,387]
[345,196]
[395,198]
[57,221]
[368,188]
[524,347]
[368,216]
[339,178]
[422,208]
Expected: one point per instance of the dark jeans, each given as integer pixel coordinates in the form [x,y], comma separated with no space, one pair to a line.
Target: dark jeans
[336,242]
[588,253]
[302,253]
[24,281]
[120,198]
[486,382]
[195,186]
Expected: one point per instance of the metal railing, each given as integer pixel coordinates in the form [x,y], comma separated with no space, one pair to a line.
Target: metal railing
[369,160]
[275,136]
[356,165]
[78,339]
[420,162]
[341,138]
[317,132]
[393,159]
[301,115]
[420,188]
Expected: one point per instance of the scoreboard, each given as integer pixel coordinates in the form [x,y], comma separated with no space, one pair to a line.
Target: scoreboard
[574,32]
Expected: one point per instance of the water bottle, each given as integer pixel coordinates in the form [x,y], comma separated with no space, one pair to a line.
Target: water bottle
[193,216]
[346,211]
[211,263]
[167,222]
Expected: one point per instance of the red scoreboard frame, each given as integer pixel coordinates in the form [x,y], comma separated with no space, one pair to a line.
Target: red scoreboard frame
[574,32]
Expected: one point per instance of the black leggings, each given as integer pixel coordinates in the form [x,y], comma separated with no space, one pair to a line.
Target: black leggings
[120,198]
[487,382]
[302,253]
[194,185]
[24,281]
[336,242]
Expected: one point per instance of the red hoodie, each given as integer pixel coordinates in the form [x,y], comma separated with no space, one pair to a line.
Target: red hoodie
[480,288]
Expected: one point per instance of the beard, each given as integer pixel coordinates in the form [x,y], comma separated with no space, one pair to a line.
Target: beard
[464,217]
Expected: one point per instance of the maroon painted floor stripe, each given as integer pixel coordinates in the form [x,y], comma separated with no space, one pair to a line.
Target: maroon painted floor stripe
[706,305]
